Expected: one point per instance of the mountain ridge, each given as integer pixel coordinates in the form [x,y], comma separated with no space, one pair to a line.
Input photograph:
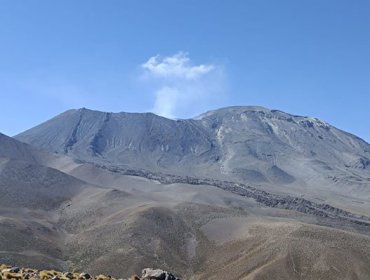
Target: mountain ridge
[249,144]
[198,117]
[255,108]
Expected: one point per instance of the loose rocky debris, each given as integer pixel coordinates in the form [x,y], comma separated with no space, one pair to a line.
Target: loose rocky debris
[263,197]
[16,273]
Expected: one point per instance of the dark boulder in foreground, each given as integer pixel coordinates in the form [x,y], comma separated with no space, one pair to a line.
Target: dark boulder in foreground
[157,274]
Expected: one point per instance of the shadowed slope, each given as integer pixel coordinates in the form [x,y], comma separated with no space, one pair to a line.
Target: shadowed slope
[31,195]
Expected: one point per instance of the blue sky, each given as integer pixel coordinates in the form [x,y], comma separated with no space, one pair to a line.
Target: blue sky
[180,58]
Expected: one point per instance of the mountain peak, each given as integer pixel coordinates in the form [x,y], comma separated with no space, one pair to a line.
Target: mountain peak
[246,142]
[233,110]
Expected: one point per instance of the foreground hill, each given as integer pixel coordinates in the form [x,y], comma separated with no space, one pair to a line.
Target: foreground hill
[31,194]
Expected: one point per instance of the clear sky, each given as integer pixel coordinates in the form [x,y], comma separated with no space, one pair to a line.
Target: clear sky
[179,58]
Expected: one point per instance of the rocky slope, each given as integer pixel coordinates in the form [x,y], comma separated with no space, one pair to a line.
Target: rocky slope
[269,149]
[231,138]
[237,193]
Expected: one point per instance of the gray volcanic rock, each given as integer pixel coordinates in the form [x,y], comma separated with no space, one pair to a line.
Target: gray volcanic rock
[274,136]
[254,145]
[157,274]
[135,140]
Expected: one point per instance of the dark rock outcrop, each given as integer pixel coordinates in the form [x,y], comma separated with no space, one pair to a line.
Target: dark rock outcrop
[157,274]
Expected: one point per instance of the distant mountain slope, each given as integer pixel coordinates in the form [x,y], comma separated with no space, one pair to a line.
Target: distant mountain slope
[249,144]
[135,140]
[220,135]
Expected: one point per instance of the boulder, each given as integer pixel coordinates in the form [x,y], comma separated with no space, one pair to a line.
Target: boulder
[85,275]
[157,274]
[15,269]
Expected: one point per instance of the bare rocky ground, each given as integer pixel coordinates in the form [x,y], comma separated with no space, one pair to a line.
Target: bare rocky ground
[118,224]
[201,211]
